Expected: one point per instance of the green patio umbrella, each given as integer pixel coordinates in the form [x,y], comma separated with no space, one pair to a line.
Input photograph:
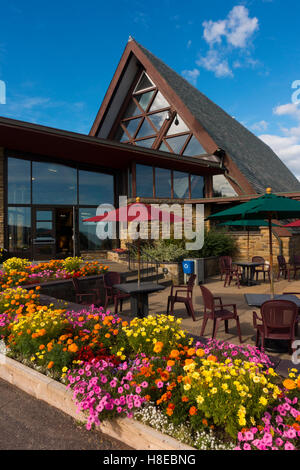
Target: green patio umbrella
[247,224]
[269,206]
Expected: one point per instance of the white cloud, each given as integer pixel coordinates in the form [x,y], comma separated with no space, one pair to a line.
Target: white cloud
[237,29]
[214,62]
[235,32]
[260,126]
[191,75]
[287,145]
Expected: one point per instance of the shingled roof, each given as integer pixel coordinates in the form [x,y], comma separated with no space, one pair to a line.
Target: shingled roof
[256,160]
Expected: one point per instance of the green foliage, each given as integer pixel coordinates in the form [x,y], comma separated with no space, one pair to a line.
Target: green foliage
[14,263]
[72,264]
[216,243]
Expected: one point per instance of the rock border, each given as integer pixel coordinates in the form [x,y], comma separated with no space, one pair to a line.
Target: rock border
[133,433]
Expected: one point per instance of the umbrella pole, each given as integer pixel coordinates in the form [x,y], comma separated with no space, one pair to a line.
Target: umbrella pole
[139,263]
[271,257]
[248,245]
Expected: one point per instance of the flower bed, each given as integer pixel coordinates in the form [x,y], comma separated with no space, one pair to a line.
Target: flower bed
[211,396]
[18,271]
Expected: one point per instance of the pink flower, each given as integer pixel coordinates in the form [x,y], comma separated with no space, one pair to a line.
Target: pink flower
[289,446]
[160,384]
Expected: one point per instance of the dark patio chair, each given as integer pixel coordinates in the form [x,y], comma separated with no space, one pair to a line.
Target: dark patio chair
[116,296]
[92,297]
[264,269]
[286,269]
[187,299]
[278,319]
[218,313]
[230,270]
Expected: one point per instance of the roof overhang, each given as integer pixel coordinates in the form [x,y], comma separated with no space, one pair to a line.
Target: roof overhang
[79,148]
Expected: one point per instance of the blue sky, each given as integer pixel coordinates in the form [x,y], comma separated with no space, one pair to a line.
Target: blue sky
[57,59]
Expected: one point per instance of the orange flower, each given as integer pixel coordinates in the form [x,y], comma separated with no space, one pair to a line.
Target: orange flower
[189,361]
[179,379]
[73,348]
[169,411]
[289,384]
[174,354]
[200,352]
[212,358]
[170,363]
[165,376]
[158,347]
[204,421]
[184,399]
[191,352]
[42,346]
[193,411]
[51,364]
[107,335]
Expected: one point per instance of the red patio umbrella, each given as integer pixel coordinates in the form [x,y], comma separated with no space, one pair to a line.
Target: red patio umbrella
[137,212]
[293,224]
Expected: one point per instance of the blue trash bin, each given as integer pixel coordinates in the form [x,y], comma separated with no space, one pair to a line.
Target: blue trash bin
[188,267]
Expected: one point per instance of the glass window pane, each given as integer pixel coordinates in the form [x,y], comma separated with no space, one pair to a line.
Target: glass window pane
[197,187]
[88,232]
[53,184]
[132,110]
[194,148]
[44,215]
[44,229]
[163,147]
[176,143]
[121,135]
[181,184]
[145,130]
[158,119]
[144,181]
[177,126]
[144,83]
[131,126]
[159,102]
[162,182]
[144,99]
[19,228]
[145,143]
[18,181]
[95,188]
[222,187]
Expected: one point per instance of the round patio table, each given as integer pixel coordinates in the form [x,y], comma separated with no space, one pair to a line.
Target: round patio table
[139,295]
[256,300]
[248,271]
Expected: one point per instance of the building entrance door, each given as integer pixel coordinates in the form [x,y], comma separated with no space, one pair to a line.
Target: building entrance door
[53,232]
[44,236]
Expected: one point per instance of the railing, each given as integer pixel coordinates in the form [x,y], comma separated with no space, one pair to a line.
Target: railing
[147,262]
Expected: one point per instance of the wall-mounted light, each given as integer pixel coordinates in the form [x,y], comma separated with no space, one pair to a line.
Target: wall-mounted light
[176,122]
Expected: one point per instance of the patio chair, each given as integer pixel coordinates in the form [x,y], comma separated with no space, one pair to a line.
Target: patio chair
[278,321]
[218,313]
[187,299]
[109,279]
[83,297]
[230,271]
[286,269]
[264,269]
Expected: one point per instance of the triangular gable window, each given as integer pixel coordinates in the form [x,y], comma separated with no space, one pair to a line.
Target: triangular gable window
[144,83]
[149,120]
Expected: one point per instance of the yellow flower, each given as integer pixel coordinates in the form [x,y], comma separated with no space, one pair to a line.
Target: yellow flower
[263,401]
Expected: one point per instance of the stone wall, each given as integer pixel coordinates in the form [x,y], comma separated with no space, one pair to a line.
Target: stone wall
[287,245]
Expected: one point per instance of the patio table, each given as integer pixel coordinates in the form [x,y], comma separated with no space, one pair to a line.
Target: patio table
[248,271]
[256,300]
[139,295]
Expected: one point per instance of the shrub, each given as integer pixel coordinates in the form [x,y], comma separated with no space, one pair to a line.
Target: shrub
[72,264]
[15,264]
